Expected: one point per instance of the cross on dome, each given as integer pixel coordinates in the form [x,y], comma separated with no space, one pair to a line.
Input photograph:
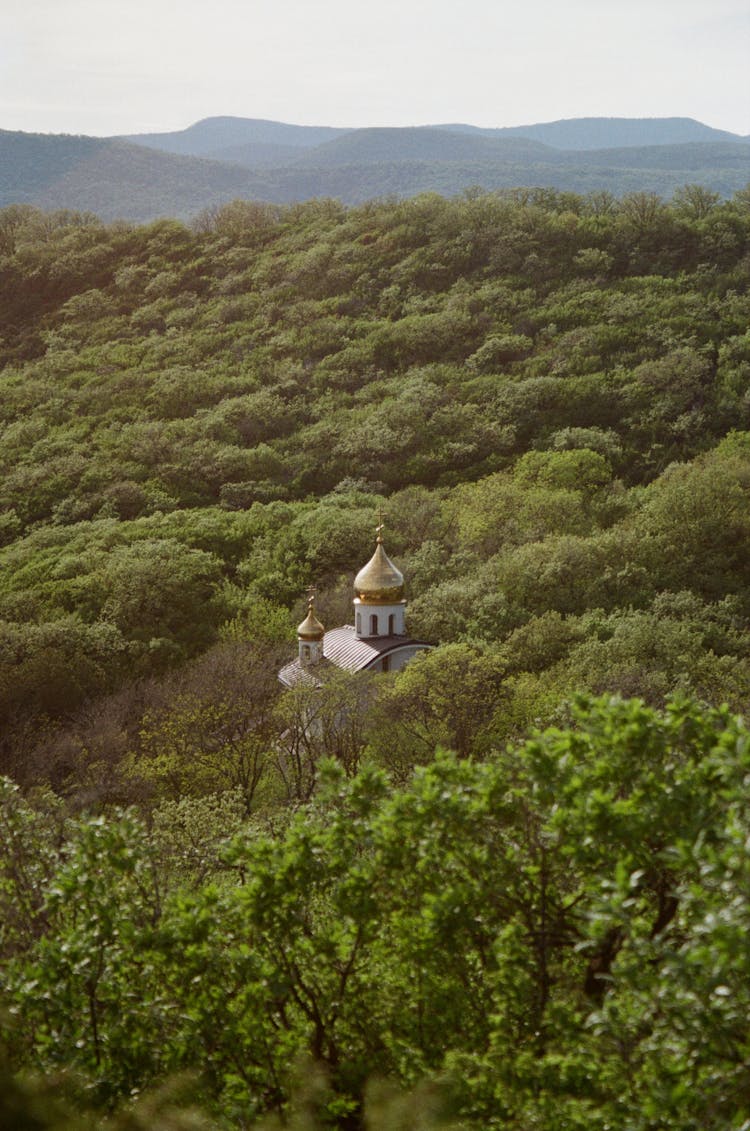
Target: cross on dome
[310,628]
[379,581]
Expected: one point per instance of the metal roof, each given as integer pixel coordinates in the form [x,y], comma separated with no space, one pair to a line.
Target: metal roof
[295,672]
[346,650]
[342,648]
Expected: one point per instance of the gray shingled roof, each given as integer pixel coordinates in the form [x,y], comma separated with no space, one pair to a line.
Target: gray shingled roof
[342,648]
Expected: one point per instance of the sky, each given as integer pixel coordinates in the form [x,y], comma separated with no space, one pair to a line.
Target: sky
[131,66]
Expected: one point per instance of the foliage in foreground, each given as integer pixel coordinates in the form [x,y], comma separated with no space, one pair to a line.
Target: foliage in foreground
[555,937]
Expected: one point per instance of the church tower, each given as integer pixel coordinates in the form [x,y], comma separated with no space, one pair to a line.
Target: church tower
[377,640]
[310,635]
[379,602]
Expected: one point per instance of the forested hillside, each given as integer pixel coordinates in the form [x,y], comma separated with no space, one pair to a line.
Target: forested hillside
[549,396]
[169,174]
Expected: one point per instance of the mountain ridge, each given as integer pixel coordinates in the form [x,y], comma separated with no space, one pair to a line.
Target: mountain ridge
[377,143]
[209,136]
[205,137]
[117,178]
[608,133]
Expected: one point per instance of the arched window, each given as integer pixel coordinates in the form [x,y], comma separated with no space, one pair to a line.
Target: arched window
[305,653]
[359,624]
[374,624]
[391,624]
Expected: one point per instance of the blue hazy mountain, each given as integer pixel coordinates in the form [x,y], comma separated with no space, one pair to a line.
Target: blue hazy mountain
[214,137]
[220,159]
[607,133]
[420,143]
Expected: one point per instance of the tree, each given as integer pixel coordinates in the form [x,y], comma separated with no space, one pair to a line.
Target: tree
[151,591]
[318,720]
[215,728]
[445,697]
[578,469]
[95,999]
[695,201]
[556,934]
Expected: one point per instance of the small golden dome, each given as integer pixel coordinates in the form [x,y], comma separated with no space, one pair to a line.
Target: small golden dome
[379,582]
[310,628]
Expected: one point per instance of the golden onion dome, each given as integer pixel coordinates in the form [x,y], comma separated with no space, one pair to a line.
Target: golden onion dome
[379,582]
[310,628]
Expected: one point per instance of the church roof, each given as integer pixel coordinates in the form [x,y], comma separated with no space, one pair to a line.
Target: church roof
[347,650]
[343,649]
[295,672]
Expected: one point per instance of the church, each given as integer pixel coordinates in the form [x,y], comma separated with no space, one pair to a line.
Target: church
[376,642]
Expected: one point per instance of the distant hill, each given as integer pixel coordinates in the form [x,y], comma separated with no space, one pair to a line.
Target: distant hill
[232,138]
[686,158]
[214,137]
[119,179]
[29,163]
[356,183]
[607,133]
[421,143]
[114,179]
[259,154]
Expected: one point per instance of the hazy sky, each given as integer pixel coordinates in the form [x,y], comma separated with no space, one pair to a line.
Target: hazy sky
[126,66]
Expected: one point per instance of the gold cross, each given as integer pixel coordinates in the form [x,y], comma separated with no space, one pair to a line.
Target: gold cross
[311,591]
[380,526]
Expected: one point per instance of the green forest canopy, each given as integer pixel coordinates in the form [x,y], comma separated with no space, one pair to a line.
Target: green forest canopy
[549,395]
